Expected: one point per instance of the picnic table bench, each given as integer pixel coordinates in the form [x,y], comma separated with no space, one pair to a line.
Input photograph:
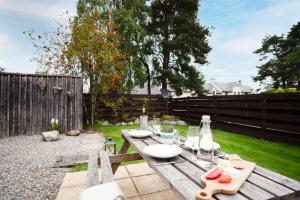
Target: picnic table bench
[183,174]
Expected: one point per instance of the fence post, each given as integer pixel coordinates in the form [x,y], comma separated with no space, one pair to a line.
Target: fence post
[188,109]
[263,117]
[169,107]
[215,119]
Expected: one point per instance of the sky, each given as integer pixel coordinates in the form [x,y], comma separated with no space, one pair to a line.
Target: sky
[237,29]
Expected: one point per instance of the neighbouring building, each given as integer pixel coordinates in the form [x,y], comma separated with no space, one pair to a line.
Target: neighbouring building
[156,90]
[231,88]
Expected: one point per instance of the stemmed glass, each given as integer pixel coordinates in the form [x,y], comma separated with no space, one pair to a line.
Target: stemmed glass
[193,138]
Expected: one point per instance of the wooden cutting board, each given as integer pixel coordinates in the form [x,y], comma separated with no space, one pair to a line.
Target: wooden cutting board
[213,186]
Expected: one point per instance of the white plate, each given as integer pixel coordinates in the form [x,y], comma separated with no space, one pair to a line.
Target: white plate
[162,150]
[139,133]
[188,144]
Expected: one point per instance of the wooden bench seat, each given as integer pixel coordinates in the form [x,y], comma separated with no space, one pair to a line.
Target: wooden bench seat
[108,189]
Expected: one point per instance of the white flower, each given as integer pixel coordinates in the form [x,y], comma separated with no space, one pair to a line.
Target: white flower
[56,121]
[52,121]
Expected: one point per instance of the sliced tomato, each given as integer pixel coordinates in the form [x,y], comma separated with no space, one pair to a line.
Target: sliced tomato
[214,174]
[225,179]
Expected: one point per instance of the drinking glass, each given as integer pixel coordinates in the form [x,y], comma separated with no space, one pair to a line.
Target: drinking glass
[193,138]
[156,125]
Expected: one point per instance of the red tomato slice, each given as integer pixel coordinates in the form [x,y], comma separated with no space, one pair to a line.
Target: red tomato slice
[225,179]
[214,174]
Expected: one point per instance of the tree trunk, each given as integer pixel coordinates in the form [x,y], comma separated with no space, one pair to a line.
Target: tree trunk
[93,97]
[148,77]
[166,58]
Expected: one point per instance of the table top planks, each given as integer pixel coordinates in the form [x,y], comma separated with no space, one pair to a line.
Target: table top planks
[184,176]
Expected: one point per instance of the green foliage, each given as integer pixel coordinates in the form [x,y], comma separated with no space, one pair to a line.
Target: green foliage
[282,65]
[131,16]
[54,125]
[178,42]
[177,118]
[287,90]
[125,117]
[166,129]
[165,118]
[145,105]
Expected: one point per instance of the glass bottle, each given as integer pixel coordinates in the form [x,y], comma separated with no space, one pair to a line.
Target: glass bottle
[206,143]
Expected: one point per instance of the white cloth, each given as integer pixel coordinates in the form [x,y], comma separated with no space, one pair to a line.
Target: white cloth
[106,191]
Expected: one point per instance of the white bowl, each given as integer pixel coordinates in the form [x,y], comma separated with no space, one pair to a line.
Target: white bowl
[139,133]
[162,150]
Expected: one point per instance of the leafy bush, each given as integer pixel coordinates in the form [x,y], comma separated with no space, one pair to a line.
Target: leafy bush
[125,117]
[54,125]
[165,118]
[287,90]
[166,129]
[177,118]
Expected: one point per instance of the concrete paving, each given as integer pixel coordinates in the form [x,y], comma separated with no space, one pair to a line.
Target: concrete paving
[137,181]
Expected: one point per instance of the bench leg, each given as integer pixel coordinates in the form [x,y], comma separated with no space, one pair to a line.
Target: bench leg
[123,150]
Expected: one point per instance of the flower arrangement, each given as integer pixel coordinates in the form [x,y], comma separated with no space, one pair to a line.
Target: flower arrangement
[54,125]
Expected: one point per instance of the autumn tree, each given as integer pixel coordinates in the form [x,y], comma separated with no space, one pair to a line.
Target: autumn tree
[89,47]
[131,17]
[282,61]
[180,43]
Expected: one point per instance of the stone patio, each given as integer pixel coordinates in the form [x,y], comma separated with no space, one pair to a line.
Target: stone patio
[137,181]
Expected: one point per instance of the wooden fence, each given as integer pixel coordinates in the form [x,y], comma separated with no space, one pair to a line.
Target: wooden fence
[29,101]
[132,106]
[275,116]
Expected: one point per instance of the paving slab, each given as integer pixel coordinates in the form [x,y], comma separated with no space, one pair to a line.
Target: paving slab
[134,198]
[74,179]
[127,187]
[121,173]
[70,193]
[139,169]
[149,184]
[167,194]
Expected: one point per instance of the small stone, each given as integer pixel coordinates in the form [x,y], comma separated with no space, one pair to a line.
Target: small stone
[118,124]
[181,122]
[137,121]
[50,136]
[130,123]
[124,123]
[73,133]
[172,123]
[105,123]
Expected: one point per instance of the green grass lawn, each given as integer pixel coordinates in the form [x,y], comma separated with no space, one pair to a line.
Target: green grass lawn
[279,157]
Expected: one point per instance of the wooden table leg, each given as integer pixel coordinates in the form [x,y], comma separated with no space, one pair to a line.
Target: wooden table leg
[124,148]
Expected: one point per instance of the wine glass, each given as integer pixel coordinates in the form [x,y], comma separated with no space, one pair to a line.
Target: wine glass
[193,138]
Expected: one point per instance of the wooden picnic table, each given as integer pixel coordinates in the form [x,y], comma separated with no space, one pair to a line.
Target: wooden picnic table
[183,174]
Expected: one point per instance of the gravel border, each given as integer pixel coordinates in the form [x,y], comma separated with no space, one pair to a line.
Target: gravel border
[27,166]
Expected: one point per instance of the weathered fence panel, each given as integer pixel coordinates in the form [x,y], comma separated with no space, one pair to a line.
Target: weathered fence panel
[132,105]
[271,116]
[29,101]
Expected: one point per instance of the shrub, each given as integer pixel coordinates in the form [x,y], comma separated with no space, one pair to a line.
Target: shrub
[165,118]
[167,129]
[287,90]
[54,125]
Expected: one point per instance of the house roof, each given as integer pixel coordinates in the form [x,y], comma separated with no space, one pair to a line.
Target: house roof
[144,90]
[226,87]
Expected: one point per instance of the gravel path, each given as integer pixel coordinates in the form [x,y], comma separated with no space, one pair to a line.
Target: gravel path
[26,166]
